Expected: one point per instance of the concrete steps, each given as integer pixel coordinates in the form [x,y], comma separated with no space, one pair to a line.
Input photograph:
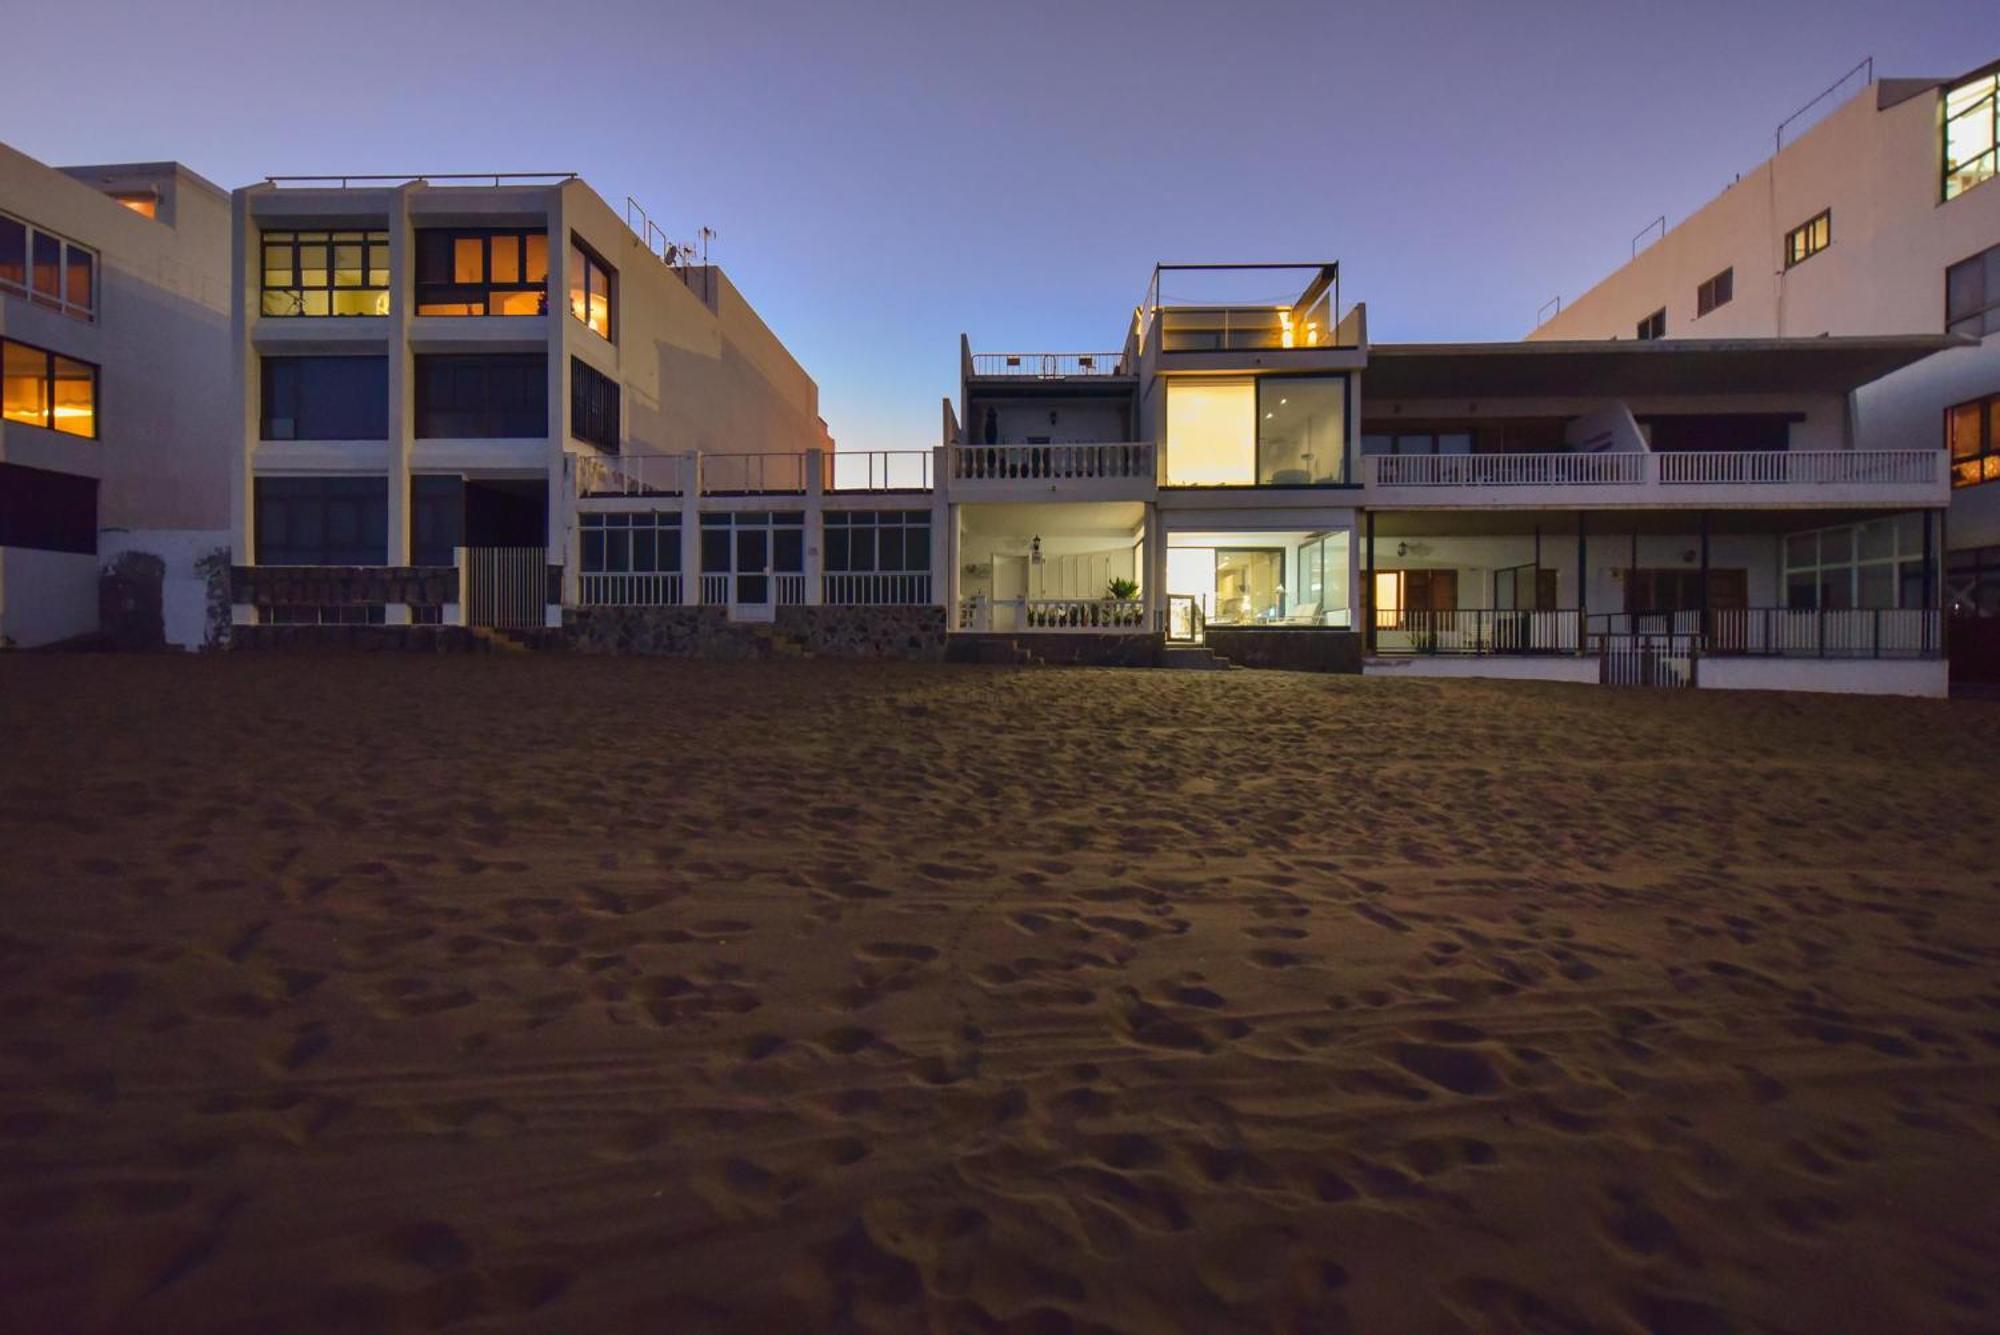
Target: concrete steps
[1194,658]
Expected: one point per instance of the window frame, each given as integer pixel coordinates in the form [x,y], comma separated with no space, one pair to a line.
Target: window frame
[1991,104]
[1797,254]
[60,302]
[595,406]
[425,365]
[428,291]
[281,239]
[1983,464]
[597,544]
[49,359]
[594,263]
[267,365]
[1653,327]
[1715,292]
[849,524]
[365,492]
[1986,263]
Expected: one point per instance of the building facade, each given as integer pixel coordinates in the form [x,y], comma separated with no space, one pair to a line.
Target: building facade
[1881,218]
[115,428]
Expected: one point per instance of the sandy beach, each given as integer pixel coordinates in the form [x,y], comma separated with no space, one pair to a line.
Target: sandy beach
[561,994]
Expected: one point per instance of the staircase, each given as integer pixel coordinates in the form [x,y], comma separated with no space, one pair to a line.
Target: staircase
[1194,658]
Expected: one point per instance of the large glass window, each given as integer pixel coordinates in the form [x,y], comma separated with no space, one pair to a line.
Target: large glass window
[1321,598]
[437,519]
[1301,430]
[868,541]
[1211,432]
[475,397]
[1972,295]
[47,270]
[1972,433]
[646,542]
[322,521]
[1971,133]
[1249,585]
[1809,238]
[326,273]
[45,389]
[46,510]
[482,271]
[590,280]
[593,405]
[1878,564]
[325,398]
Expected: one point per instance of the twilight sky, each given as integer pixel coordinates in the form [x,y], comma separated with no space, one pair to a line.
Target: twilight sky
[883,176]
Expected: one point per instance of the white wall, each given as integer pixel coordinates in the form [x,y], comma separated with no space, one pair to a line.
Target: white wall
[1857,676]
[46,596]
[1497,667]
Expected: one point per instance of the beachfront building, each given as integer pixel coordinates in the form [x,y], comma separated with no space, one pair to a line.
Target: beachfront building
[1247,473]
[436,376]
[114,419]
[1880,217]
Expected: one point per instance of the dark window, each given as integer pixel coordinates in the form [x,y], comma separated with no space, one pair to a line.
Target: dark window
[1718,431]
[13,255]
[867,541]
[1972,434]
[1972,295]
[50,512]
[45,389]
[47,270]
[1717,291]
[1654,325]
[1417,442]
[590,292]
[322,521]
[325,398]
[326,273]
[437,519]
[1809,238]
[481,271]
[645,543]
[480,397]
[593,406]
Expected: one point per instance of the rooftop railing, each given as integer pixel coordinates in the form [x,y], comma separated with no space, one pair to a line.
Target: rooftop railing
[1048,365]
[346,181]
[1693,468]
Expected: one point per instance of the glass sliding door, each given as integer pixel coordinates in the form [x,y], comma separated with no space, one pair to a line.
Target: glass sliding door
[1301,431]
[1249,585]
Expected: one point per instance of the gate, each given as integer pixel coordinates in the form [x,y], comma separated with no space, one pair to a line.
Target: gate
[1646,659]
[506,588]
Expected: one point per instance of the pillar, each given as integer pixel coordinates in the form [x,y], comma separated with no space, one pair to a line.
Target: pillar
[944,538]
[814,536]
[402,371]
[690,479]
[1368,587]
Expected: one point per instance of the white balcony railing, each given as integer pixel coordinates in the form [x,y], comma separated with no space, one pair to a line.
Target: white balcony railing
[1726,468]
[1047,365]
[715,590]
[883,588]
[629,589]
[1052,463]
[788,590]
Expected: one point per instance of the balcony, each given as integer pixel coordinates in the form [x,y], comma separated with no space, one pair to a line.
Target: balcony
[1097,470]
[1048,365]
[1223,317]
[1700,478]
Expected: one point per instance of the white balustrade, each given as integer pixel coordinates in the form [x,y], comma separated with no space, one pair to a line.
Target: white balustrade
[1053,463]
[882,588]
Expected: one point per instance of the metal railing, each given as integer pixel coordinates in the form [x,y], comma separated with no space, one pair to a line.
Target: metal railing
[1506,470]
[504,587]
[994,463]
[1479,631]
[879,470]
[879,589]
[742,474]
[1641,659]
[1678,468]
[1791,632]
[1730,467]
[628,589]
[629,474]
[1048,365]
[424,178]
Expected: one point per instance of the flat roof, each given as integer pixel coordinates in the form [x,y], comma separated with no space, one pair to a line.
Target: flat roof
[1627,367]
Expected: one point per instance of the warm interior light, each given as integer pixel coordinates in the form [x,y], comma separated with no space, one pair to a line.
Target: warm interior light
[146,205]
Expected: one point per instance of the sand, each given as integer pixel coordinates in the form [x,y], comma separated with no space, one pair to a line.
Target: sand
[597,995]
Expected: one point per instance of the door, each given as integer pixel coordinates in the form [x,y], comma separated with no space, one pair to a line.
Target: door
[1010,592]
[753,567]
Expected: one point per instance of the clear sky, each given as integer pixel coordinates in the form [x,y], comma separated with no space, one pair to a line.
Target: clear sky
[883,176]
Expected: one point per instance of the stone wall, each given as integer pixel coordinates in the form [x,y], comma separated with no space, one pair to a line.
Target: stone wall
[344,586]
[362,639]
[1065,649]
[912,633]
[1288,648]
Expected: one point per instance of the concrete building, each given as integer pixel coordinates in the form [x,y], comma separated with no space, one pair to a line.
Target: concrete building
[116,429]
[1881,218]
[431,372]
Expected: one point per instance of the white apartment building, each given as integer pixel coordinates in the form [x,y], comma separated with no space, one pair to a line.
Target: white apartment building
[1881,218]
[115,427]
[430,367]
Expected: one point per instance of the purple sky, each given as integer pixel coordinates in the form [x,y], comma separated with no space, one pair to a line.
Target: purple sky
[881,177]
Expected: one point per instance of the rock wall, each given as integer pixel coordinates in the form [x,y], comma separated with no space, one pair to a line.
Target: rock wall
[343,586]
[1288,648]
[910,633]
[1068,649]
[363,639]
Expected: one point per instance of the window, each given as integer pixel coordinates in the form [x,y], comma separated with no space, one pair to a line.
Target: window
[593,406]
[1972,433]
[874,556]
[325,398]
[589,287]
[437,519]
[326,273]
[1717,291]
[1322,593]
[322,521]
[477,397]
[48,511]
[1281,431]
[1971,133]
[1972,586]
[1417,442]
[1668,433]
[45,389]
[1808,239]
[47,270]
[746,549]
[1400,592]
[1879,564]
[1654,325]
[1249,586]
[643,543]
[481,271]
[142,202]
[1972,295]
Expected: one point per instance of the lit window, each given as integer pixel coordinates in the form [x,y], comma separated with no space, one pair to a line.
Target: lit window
[1971,133]
[482,272]
[1211,432]
[1972,295]
[1809,238]
[47,270]
[326,273]
[1654,325]
[45,389]
[589,288]
[142,202]
[1717,291]
[1972,433]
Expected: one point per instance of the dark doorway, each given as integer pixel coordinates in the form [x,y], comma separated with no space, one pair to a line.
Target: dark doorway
[506,512]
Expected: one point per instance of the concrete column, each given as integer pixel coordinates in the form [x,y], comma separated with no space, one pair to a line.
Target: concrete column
[402,371]
[1153,580]
[1356,594]
[562,514]
[944,537]
[247,253]
[814,536]
[690,469]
